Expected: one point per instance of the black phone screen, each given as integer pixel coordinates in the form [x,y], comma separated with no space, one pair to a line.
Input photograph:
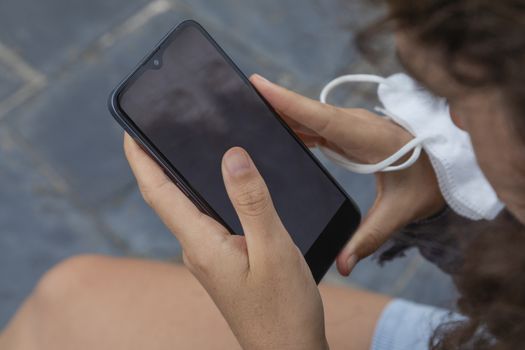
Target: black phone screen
[193,104]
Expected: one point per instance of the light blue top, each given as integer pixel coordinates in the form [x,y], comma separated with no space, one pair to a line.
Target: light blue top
[405,325]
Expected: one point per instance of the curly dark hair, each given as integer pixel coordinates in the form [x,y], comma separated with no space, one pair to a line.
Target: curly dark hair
[491,283]
[489,35]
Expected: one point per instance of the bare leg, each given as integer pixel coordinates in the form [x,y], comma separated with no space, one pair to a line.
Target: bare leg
[103,303]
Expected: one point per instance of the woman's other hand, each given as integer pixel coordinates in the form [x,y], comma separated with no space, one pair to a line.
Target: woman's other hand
[402,197]
[260,281]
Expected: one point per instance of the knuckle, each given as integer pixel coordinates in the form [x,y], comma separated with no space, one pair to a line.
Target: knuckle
[150,193]
[283,254]
[198,263]
[185,260]
[327,123]
[363,113]
[294,256]
[146,195]
[372,242]
[253,199]
[188,262]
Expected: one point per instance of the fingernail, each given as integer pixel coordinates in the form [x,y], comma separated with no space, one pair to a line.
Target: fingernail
[351,262]
[261,78]
[237,162]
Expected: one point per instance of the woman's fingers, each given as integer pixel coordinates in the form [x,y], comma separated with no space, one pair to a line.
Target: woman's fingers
[321,118]
[360,134]
[402,198]
[385,218]
[298,127]
[192,228]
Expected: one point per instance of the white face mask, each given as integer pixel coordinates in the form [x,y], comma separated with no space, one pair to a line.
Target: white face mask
[427,118]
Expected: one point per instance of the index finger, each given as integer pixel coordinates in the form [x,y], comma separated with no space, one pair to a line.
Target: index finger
[363,135]
[316,116]
[191,227]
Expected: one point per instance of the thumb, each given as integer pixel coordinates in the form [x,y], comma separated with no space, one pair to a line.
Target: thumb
[384,219]
[250,198]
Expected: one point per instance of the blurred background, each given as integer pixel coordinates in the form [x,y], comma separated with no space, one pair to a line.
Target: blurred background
[65,187]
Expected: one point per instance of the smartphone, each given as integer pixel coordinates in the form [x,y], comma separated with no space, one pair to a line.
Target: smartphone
[187,103]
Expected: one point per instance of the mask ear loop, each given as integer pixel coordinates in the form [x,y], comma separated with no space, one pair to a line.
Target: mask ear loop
[415,145]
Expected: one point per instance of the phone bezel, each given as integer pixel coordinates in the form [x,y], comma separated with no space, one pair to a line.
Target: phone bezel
[344,222]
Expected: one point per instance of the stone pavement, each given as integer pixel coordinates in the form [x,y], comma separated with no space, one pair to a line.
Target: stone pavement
[65,186]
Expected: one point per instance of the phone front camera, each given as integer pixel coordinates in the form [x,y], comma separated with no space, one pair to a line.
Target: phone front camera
[156,63]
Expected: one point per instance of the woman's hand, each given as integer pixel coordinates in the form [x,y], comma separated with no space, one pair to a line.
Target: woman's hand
[259,281]
[402,197]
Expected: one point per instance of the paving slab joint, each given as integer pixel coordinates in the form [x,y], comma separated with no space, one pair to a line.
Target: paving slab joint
[34,81]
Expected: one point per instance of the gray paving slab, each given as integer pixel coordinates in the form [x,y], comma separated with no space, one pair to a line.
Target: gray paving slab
[9,81]
[310,39]
[132,221]
[39,226]
[53,32]
[70,126]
